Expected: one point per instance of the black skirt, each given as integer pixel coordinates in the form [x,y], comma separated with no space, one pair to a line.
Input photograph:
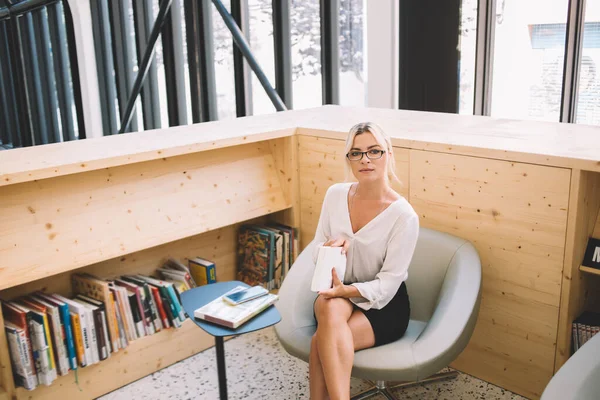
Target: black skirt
[389,323]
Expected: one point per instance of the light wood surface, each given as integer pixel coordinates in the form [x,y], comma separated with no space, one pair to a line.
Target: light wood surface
[4,394]
[546,143]
[583,213]
[218,246]
[142,357]
[516,216]
[49,227]
[589,270]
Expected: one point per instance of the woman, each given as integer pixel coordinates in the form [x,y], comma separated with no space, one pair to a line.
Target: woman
[378,231]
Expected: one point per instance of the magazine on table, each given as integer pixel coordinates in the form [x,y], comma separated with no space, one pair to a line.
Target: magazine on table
[222,313]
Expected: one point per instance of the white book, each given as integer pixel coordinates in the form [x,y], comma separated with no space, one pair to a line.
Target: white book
[59,344]
[19,349]
[78,309]
[327,259]
[91,326]
[221,312]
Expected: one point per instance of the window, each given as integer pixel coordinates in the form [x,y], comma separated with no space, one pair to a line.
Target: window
[224,72]
[588,100]
[353,56]
[528,59]
[261,44]
[306,53]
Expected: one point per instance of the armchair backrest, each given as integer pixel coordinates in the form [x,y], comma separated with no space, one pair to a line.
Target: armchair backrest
[427,270]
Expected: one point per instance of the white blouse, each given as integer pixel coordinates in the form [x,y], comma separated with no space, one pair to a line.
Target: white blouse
[379,253]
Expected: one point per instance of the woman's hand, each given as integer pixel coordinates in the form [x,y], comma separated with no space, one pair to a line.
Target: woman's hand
[338,242]
[338,289]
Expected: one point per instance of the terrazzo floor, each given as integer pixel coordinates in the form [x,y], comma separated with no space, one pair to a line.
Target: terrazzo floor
[259,368]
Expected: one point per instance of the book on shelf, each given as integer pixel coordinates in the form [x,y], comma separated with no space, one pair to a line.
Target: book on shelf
[265,253]
[202,270]
[222,313]
[584,328]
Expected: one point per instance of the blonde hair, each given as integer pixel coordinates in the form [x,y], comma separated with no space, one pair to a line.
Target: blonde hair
[382,139]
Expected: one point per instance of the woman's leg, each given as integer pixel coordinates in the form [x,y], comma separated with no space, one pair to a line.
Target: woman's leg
[335,345]
[318,388]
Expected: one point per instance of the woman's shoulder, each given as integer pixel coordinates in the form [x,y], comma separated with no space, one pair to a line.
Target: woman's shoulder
[404,210]
[337,188]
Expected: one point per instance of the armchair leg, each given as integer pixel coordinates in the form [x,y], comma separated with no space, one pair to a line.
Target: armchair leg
[381,388]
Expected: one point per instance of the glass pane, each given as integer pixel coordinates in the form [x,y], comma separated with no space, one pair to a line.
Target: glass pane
[224,73]
[353,55]
[528,59]
[468,41]
[588,101]
[306,53]
[261,43]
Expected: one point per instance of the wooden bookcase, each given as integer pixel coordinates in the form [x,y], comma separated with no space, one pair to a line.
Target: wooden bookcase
[128,219]
[520,191]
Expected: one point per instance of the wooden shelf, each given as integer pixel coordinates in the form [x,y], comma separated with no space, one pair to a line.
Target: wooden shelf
[141,358]
[589,270]
[4,395]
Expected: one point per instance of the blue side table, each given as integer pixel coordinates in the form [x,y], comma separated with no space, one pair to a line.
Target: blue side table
[197,297]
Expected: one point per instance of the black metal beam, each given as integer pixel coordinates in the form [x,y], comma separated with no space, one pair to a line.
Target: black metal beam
[123,54]
[72,45]
[105,65]
[58,36]
[283,50]
[243,99]
[572,63]
[175,90]
[49,94]
[330,50]
[201,63]
[143,17]
[34,88]
[25,6]
[165,6]
[22,136]
[242,44]
[7,99]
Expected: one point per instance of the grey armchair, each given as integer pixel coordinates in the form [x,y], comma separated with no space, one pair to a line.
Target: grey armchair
[444,286]
[579,377]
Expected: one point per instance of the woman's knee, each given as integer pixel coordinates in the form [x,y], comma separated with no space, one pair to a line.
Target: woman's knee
[332,309]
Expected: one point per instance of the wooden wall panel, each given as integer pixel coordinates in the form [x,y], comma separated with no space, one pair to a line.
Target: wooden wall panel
[321,164]
[54,225]
[516,216]
[218,246]
[583,214]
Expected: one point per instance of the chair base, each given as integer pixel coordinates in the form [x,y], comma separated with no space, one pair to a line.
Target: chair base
[380,388]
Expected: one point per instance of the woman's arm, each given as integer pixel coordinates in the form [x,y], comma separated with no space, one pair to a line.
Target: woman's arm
[401,246]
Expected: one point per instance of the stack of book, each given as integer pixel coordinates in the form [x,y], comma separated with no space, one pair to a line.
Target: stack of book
[584,328]
[50,334]
[265,253]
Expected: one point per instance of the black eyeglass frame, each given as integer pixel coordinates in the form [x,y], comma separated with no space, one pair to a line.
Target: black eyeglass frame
[363,153]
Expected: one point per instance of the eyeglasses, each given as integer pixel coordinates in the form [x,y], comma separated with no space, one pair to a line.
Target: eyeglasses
[372,154]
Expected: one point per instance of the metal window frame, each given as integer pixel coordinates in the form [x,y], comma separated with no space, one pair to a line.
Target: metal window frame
[242,73]
[143,17]
[282,45]
[330,50]
[572,63]
[172,38]
[203,92]
[484,57]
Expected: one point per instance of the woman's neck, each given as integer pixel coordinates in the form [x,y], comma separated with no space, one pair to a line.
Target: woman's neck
[373,190]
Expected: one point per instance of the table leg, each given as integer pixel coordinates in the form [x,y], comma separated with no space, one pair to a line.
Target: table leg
[221,367]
